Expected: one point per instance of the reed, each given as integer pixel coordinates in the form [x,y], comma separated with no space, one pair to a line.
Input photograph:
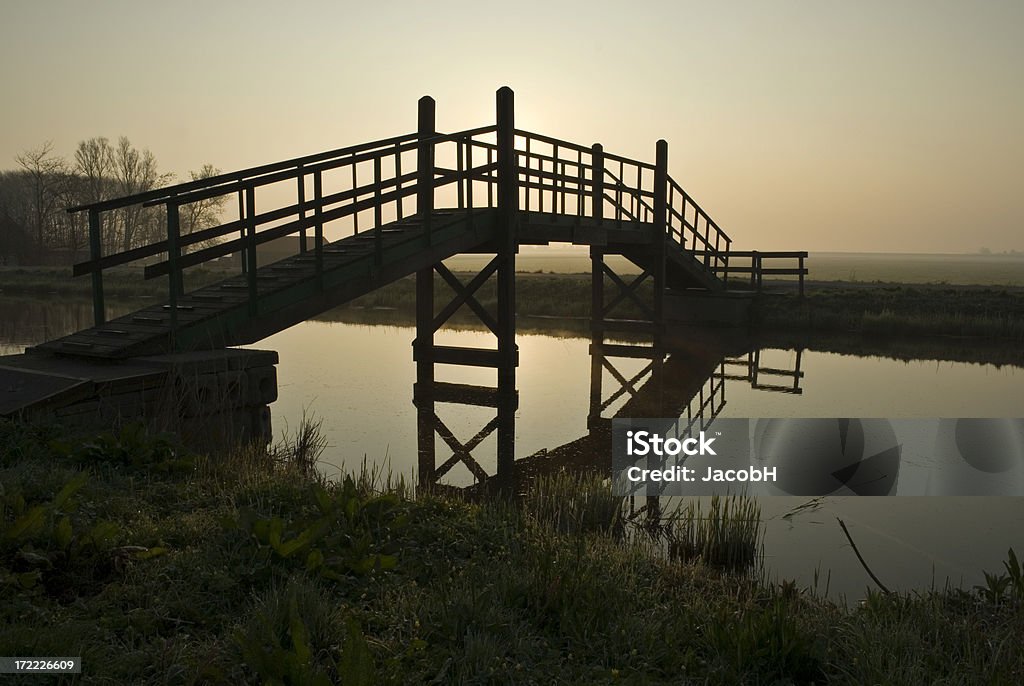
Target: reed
[727,535]
[574,503]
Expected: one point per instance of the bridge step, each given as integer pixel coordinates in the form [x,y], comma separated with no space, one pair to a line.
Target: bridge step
[219,309]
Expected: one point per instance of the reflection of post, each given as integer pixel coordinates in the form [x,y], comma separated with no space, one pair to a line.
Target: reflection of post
[797,374]
[429,426]
[423,397]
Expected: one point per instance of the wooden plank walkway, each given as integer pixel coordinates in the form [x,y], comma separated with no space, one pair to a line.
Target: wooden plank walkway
[219,315]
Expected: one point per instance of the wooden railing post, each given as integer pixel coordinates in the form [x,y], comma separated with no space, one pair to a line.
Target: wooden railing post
[302,208]
[251,263]
[95,253]
[660,227]
[596,267]
[508,209]
[173,254]
[318,227]
[241,231]
[425,165]
[378,218]
[423,346]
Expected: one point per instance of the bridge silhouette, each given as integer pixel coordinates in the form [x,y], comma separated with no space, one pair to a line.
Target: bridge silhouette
[370,214]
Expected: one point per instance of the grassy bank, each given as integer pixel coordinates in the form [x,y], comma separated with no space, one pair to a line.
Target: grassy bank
[899,310]
[878,309]
[159,566]
[125,282]
[892,310]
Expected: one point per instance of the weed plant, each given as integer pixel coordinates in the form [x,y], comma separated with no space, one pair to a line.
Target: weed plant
[248,568]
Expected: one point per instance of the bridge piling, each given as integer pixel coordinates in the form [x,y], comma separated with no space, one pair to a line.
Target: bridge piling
[423,347]
[508,205]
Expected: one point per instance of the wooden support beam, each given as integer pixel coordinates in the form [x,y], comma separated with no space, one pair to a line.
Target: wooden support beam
[470,357]
[464,294]
[636,351]
[95,253]
[508,210]
[661,228]
[460,394]
[425,163]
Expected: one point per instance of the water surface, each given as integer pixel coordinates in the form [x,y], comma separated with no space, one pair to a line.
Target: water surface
[359,380]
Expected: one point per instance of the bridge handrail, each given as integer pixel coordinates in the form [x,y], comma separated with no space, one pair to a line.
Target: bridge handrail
[169,191]
[157,195]
[376,198]
[237,183]
[716,256]
[636,191]
[561,184]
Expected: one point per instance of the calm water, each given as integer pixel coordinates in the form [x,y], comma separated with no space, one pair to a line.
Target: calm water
[359,378]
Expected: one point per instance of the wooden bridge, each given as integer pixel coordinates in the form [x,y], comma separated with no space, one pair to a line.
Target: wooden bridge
[369,214]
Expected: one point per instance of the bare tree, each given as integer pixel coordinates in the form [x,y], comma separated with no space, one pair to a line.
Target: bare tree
[45,174]
[202,214]
[135,171]
[94,163]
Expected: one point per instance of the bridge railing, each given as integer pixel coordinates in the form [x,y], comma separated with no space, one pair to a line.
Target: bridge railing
[361,188]
[754,265]
[628,190]
[378,182]
[696,232]
[554,176]
[558,177]
[754,371]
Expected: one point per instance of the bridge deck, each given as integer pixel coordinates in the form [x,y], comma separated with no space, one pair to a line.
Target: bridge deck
[220,315]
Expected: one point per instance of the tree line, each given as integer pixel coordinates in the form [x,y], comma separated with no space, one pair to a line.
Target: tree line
[35,227]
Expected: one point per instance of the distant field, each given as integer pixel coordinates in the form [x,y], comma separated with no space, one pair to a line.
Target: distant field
[991,270]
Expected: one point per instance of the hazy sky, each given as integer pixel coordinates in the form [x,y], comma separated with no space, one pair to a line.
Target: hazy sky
[823,125]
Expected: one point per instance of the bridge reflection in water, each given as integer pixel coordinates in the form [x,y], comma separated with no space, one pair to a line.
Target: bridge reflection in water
[673,379]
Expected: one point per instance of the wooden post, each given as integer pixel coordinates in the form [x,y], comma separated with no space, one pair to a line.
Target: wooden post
[250,250]
[596,282]
[801,275]
[302,209]
[173,254]
[508,209]
[425,164]
[99,314]
[423,346]
[660,229]
[596,252]
[318,227]
[241,232]
[378,220]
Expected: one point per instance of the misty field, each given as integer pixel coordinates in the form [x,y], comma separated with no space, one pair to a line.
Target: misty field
[985,270]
